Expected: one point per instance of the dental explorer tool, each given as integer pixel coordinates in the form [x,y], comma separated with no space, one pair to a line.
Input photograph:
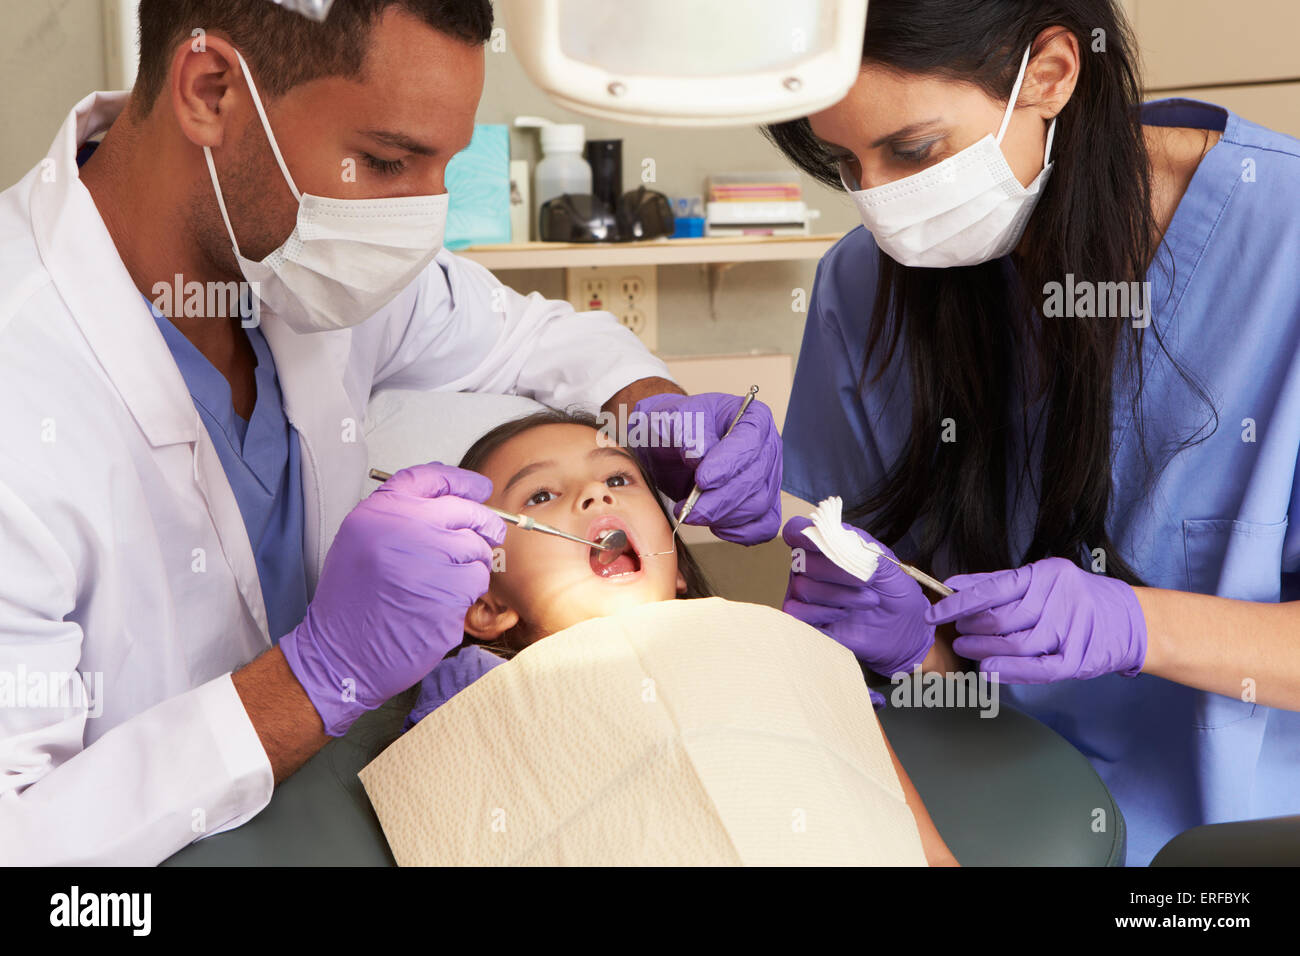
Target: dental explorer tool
[613,543]
[694,496]
[920,577]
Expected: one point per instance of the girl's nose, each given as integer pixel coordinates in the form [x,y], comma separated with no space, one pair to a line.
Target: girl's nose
[597,493]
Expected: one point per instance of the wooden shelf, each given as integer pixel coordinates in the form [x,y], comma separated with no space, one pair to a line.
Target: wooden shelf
[655,252]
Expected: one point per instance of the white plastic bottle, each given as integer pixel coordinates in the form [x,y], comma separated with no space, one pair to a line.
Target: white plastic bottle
[562,169]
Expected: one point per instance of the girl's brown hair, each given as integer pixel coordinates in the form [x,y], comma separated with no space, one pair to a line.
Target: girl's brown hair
[697,585]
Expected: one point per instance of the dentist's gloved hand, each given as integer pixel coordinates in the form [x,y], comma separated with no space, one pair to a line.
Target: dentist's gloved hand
[1048,621]
[882,621]
[405,567]
[739,476]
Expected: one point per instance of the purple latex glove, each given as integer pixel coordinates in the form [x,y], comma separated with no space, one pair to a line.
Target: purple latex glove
[449,678]
[877,698]
[739,476]
[1048,621]
[882,621]
[406,565]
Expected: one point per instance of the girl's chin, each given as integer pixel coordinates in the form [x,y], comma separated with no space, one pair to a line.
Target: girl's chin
[607,599]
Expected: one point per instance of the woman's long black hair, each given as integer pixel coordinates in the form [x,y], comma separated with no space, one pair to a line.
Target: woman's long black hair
[974,346]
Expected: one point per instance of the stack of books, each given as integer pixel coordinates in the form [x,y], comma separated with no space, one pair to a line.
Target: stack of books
[756,204]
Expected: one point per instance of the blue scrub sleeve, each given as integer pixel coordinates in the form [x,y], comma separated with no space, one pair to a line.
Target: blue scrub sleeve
[829,448]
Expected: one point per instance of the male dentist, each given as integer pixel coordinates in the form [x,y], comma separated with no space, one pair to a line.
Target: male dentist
[192,601]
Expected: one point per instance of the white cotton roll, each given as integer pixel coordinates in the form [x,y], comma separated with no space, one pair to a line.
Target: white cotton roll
[843,546]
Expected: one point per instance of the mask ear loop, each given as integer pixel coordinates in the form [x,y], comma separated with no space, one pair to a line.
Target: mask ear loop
[1015,94]
[1011,106]
[266,125]
[275,149]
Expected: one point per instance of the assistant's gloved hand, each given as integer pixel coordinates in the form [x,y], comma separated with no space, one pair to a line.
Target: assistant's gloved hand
[882,621]
[739,476]
[449,678]
[1048,621]
[406,565]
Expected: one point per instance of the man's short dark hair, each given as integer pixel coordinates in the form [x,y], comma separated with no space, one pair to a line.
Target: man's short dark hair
[284,48]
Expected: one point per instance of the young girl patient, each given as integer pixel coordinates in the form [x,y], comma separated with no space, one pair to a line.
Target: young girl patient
[561,470]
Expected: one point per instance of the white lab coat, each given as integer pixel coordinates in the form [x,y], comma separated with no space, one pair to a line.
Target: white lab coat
[122,551]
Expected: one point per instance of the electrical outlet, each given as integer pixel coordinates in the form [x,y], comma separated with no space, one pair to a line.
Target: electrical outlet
[629,292]
[592,293]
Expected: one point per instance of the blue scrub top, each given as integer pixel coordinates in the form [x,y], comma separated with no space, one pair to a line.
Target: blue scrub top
[1226,294]
[261,458]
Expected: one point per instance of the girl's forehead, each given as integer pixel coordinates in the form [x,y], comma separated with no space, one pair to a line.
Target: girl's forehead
[558,442]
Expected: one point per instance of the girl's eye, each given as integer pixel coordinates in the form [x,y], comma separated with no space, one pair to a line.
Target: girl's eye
[386,167]
[539,497]
[617,480]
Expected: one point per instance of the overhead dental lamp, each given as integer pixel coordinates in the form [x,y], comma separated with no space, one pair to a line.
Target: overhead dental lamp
[689,62]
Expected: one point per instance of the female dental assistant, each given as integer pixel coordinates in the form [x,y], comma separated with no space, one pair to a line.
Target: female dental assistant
[1064,359]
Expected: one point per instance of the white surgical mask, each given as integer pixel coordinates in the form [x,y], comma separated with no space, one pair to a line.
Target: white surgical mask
[346,258]
[968,209]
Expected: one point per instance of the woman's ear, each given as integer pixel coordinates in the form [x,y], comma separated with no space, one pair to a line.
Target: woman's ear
[488,618]
[681,583]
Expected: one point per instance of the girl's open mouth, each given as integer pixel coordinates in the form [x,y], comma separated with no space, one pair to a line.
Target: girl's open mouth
[627,562]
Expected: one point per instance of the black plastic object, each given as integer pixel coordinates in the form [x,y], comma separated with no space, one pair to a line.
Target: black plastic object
[576,218]
[639,214]
[644,214]
[605,157]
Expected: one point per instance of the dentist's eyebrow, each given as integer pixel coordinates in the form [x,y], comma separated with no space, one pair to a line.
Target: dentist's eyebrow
[910,130]
[400,141]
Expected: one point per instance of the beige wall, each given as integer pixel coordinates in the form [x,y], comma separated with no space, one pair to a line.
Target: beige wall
[1240,54]
[51,55]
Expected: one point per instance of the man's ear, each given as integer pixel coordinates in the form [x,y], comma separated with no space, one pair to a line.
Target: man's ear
[488,618]
[681,583]
[202,89]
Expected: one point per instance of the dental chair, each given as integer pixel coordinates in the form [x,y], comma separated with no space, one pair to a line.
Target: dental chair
[1004,790]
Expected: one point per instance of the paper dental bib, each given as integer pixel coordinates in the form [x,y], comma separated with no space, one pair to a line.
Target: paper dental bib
[699,732]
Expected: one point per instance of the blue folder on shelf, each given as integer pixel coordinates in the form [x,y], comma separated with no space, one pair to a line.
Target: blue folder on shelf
[478,181]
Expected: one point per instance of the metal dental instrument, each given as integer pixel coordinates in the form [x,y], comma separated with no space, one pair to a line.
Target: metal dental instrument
[612,543]
[694,496]
[920,577]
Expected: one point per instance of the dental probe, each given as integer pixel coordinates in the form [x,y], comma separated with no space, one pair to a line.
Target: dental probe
[920,577]
[613,542]
[694,496]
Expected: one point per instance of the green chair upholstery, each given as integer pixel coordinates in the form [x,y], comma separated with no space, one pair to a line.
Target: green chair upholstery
[1006,790]
[1274,841]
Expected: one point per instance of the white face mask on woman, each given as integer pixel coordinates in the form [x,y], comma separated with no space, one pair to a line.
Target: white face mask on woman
[346,258]
[968,209]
